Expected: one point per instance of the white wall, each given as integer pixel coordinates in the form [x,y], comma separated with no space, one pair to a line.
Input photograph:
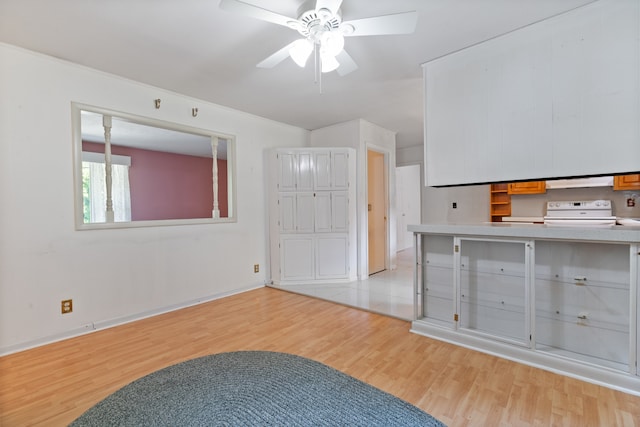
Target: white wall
[111,275]
[437,203]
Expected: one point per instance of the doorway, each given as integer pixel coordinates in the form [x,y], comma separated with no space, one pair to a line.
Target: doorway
[377,211]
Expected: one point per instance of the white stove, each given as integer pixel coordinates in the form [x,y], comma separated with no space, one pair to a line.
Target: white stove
[580,213]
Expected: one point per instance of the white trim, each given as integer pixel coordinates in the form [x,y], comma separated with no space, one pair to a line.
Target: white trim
[89,156]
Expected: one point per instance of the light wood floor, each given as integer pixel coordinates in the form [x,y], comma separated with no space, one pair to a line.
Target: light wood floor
[54,384]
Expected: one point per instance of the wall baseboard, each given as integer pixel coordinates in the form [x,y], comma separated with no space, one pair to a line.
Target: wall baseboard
[110,323]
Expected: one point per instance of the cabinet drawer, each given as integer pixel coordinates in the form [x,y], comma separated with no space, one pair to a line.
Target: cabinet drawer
[581,342]
[607,307]
[599,263]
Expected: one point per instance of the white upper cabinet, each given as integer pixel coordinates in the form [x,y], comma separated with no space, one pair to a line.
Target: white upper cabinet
[287,171]
[340,170]
[340,211]
[323,170]
[305,171]
[323,212]
[559,98]
[287,212]
[305,213]
[314,170]
[295,171]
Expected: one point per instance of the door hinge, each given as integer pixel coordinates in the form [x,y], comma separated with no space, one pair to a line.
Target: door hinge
[455,317]
[456,248]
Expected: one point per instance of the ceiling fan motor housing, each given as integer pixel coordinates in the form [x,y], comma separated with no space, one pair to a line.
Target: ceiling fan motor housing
[313,23]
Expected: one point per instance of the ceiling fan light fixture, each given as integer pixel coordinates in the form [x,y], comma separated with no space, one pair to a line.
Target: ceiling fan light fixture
[300,51]
[332,42]
[347,29]
[328,62]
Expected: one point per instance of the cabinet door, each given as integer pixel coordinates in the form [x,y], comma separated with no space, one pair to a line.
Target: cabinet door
[331,257]
[339,211]
[296,253]
[529,187]
[323,170]
[340,170]
[305,213]
[287,171]
[626,182]
[323,211]
[582,301]
[437,279]
[493,289]
[287,207]
[304,166]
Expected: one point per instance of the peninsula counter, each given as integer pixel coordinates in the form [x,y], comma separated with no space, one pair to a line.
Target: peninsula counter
[560,298]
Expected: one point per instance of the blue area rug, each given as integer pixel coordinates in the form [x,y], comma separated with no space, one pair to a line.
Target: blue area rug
[252,388]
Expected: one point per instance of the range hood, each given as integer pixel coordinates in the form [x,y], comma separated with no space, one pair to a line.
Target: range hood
[600,181]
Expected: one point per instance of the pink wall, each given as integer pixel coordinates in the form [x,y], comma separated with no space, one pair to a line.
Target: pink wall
[170,186]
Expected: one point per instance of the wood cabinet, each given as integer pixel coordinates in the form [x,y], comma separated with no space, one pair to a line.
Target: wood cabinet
[528,187]
[626,182]
[312,206]
[500,202]
[500,196]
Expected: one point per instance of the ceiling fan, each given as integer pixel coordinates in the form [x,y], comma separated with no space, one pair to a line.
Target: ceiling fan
[323,31]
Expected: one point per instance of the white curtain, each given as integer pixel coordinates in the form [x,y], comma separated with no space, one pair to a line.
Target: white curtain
[120,192]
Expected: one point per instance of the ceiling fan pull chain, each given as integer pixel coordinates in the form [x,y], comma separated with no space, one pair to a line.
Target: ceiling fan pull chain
[317,67]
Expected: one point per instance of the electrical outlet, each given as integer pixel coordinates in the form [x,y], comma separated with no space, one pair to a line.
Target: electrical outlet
[256,268]
[454,205]
[66,306]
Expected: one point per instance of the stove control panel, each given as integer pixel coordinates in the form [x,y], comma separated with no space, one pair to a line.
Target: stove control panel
[580,205]
[579,209]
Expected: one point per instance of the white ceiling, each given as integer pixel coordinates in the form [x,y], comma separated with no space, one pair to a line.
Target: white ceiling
[194,48]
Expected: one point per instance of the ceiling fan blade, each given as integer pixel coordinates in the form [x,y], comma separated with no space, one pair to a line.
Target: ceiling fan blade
[276,58]
[332,5]
[347,64]
[237,6]
[398,23]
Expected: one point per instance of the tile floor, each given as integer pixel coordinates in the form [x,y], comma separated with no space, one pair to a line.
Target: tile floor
[389,292]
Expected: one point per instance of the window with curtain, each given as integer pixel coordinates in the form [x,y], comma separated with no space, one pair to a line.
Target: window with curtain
[94,192]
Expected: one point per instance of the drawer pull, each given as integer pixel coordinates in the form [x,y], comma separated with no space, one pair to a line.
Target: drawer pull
[580,278]
[582,317]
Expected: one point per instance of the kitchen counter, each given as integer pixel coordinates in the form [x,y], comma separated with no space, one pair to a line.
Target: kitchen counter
[614,234]
[528,219]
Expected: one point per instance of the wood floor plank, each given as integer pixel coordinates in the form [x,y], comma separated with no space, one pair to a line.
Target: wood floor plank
[54,384]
